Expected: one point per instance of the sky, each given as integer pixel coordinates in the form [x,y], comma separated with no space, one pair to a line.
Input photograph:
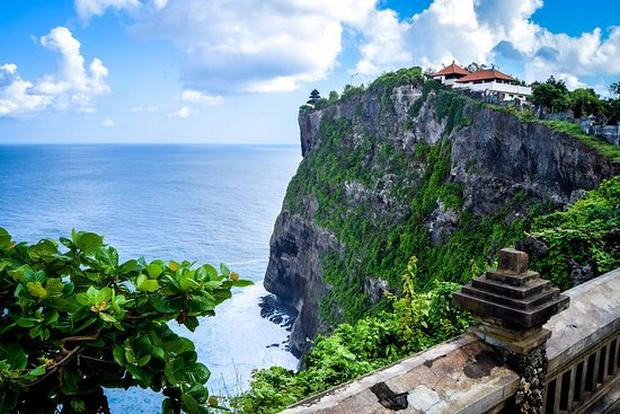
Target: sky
[236,71]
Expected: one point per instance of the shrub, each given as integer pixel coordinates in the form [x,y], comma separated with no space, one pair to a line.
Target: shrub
[75,320]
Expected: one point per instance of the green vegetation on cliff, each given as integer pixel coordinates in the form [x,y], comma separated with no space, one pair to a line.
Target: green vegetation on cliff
[380,189]
[586,231]
[414,321]
[350,164]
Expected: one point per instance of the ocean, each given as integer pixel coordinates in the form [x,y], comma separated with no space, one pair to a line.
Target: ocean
[203,203]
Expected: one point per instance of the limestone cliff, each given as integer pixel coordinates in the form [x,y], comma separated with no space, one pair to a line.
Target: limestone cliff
[411,169]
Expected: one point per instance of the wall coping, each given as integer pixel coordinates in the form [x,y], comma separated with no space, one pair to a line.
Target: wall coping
[593,315]
[464,376]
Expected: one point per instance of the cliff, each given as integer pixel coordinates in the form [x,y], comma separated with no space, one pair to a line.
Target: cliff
[407,168]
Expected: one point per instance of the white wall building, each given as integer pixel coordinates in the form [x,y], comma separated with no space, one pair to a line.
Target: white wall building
[490,81]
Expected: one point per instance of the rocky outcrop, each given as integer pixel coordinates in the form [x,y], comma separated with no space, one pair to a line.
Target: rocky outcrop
[498,155]
[500,164]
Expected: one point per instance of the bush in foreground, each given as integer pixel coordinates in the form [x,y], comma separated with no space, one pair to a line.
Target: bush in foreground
[75,321]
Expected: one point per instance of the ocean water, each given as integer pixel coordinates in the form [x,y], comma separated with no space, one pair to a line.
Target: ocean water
[201,203]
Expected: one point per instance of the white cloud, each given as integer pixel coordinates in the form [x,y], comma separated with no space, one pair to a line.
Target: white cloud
[87,9]
[71,87]
[233,46]
[8,68]
[200,98]
[486,30]
[183,112]
[246,45]
[108,123]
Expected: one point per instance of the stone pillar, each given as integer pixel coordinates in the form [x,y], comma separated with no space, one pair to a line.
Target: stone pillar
[511,305]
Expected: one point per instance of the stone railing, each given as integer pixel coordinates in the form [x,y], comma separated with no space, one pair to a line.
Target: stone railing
[569,365]
[582,374]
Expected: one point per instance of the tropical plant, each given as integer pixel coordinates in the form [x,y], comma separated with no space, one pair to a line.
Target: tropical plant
[552,94]
[75,320]
[415,322]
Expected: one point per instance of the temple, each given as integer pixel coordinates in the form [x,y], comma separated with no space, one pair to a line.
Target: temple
[488,81]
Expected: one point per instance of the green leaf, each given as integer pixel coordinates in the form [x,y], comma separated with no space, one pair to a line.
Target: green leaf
[103,295]
[242,283]
[210,271]
[200,374]
[144,360]
[107,318]
[38,371]
[175,370]
[14,354]
[158,352]
[167,406]
[128,266]
[36,290]
[43,249]
[146,285]
[119,355]
[154,270]
[225,270]
[88,242]
[191,322]
[5,238]
[189,403]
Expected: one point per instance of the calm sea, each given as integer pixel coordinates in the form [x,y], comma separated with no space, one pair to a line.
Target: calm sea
[205,203]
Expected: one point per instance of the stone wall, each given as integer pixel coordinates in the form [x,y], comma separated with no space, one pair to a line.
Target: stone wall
[464,375]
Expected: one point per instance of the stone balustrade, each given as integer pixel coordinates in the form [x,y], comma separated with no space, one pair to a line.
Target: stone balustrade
[470,374]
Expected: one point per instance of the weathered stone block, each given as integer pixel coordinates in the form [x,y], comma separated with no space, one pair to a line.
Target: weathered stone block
[512,261]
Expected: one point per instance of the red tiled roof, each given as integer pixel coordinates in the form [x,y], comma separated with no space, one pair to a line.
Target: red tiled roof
[452,69]
[485,74]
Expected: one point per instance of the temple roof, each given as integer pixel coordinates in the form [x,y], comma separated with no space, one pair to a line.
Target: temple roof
[485,74]
[452,69]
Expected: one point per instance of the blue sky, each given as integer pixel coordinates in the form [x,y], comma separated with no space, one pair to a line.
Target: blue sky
[235,71]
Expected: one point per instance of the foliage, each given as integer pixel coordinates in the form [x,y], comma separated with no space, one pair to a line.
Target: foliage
[552,94]
[351,90]
[415,322]
[610,151]
[614,90]
[402,76]
[475,66]
[75,320]
[601,146]
[587,232]
[584,102]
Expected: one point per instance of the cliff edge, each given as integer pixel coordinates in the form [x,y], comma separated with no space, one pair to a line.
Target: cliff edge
[407,168]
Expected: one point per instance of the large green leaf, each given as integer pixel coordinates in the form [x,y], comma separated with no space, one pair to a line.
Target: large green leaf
[14,354]
[43,249]
[88,242]
[5,238]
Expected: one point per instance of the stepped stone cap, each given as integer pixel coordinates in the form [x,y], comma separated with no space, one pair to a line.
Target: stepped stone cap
[512,303]
[512,261]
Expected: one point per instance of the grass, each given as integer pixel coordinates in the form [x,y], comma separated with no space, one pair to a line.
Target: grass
[602,147]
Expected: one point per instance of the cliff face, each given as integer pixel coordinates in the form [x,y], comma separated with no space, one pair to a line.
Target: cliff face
[392,172]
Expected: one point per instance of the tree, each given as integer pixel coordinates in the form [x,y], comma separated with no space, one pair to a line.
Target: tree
[474,67]
[75,321]
[614,90]
[552,94]
[584,102]
[333,96]
[315,97]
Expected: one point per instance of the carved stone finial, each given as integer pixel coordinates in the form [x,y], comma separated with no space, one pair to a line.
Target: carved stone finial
[511,304]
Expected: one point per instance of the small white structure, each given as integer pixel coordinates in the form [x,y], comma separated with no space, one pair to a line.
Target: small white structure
[490,81]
